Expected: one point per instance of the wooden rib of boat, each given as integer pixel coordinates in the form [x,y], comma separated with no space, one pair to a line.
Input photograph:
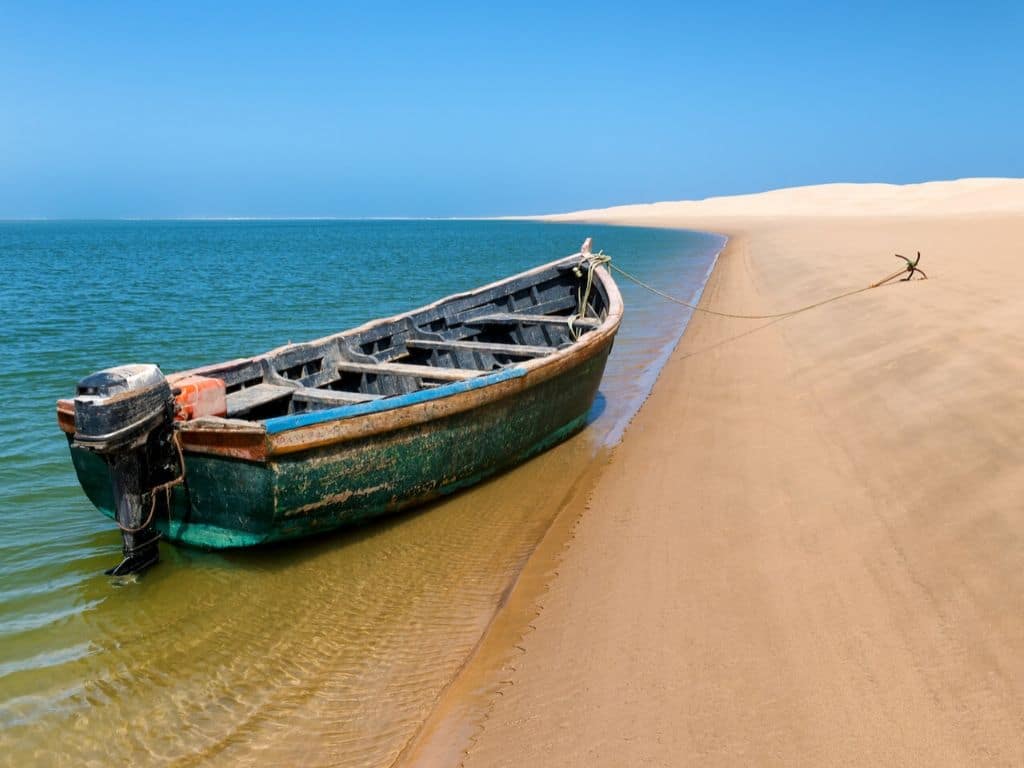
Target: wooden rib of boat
[391,414]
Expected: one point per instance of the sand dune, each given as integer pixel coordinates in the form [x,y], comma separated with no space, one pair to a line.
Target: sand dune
[809,548]
[934,198]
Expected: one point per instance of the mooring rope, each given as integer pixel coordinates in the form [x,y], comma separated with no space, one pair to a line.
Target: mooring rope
[593,261]
[163,487]
[597,259]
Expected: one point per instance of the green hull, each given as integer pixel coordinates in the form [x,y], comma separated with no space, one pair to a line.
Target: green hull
[236,503]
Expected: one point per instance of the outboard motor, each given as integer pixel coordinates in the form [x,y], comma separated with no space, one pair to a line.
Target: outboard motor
[126,416]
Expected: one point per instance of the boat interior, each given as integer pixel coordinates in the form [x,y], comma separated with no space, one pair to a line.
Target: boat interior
[468,335]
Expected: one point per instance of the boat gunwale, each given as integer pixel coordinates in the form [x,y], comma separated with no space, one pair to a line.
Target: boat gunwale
[341,430]
[376,322]
[279,424]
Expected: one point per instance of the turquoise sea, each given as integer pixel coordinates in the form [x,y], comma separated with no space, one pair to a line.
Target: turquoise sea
[328,652]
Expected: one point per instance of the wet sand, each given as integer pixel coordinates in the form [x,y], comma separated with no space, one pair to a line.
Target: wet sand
[809,547]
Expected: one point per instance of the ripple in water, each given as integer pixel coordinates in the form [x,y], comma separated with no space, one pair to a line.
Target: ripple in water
[326,652]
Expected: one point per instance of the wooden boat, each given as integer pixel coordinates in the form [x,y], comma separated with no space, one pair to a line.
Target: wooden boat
[309,437]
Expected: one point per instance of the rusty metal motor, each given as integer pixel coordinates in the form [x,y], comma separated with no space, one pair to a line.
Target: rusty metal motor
[126,416]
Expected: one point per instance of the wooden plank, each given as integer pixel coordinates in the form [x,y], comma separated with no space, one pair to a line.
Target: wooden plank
[511,318]
[479,298]
[547,307]
[551,306]
[405,369]
[521,350]
[252,397]
[332,396]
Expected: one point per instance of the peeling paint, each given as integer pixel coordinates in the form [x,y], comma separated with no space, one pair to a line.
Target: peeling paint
[337,498]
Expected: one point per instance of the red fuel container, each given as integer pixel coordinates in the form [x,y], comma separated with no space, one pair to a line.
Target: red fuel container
[199,396]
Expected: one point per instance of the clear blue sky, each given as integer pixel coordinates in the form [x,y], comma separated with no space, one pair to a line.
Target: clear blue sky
[431,109]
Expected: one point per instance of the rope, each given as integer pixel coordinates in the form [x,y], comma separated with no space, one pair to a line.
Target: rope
[601,258]
[592,261]
[165,487]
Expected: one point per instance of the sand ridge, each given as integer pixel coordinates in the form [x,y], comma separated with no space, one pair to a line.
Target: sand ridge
[961,197]
[809,547]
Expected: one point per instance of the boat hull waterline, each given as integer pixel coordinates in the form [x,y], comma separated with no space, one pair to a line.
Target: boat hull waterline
[283,471]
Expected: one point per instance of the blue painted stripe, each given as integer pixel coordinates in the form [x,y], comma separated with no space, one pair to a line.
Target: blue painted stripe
[284,423]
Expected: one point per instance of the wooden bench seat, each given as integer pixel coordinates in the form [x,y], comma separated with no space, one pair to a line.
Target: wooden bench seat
[514,318]
[332,397]
[436,373]
[245,400]
[517,350]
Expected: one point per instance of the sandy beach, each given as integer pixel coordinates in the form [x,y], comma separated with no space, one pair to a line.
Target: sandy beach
[809,547]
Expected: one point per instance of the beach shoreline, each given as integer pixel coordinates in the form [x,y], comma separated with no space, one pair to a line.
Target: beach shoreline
[451,725]
[805,549]
[466,703]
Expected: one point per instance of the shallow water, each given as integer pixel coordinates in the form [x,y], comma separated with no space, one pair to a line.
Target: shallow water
[330,651]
